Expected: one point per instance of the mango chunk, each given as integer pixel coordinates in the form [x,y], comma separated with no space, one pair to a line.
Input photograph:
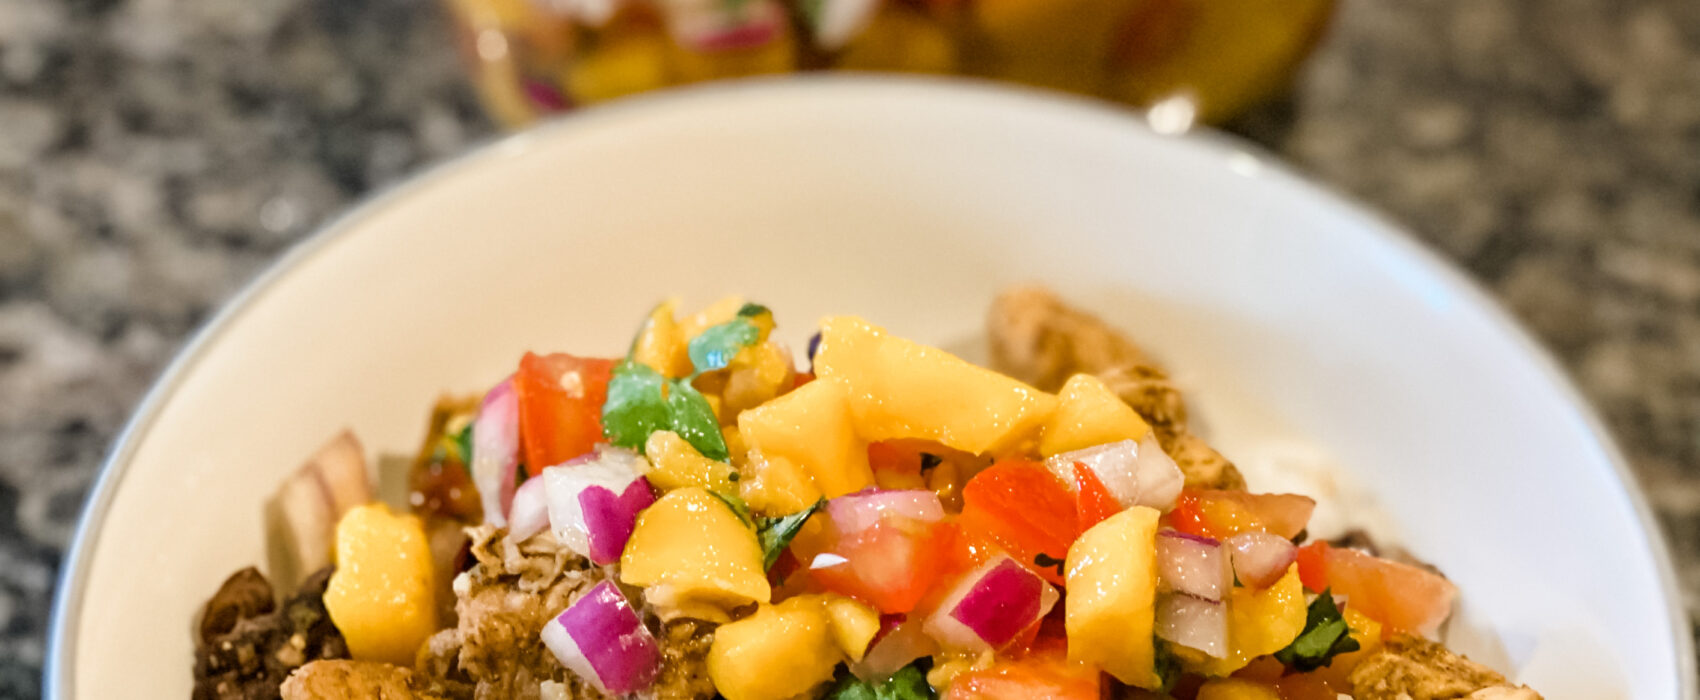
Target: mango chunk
[780,652]
[812,427]
[898,388]
[675,464]
[661,343]
[1112,591]
[380,596]
[776,486]
[1236,689]
[854,624]
[1089,414]
[1259,622]
[695,556]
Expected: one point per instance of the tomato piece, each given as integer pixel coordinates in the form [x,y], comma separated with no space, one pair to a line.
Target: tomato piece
[1402,597]
[1304,686]
[1094,502]
[1023,507]
[890,565]
[1044,673]
[1223,514]
[560,407]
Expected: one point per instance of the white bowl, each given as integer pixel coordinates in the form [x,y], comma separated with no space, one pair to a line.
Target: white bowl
[1308,330]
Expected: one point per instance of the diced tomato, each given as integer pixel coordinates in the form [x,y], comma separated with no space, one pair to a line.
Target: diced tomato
[1304,686]
[802,378]
[1044,673]
[890,565]
[1023,507]
[1223,514]
[1094,502]
[1403,598]
[560,406]
[896,465]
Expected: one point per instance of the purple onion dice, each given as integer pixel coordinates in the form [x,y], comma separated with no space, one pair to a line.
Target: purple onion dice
[600,638]
[1193,565]
[1260,558]
[859,511]
[495,450]
[594,503]
[991,606]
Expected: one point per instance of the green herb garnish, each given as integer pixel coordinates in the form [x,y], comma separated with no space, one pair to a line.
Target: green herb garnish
[738,506]
[715,347]
[1325,636]
[463,444]
[1168,666]
[776,534]
[909,683]
[641,401]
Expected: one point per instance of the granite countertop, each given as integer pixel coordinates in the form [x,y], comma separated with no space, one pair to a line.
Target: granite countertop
[155,154]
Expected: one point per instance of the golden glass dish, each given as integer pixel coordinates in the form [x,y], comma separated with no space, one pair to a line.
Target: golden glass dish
[1215,57]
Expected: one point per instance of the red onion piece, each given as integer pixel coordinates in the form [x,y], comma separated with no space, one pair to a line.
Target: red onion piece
[893,650]
[1136,473]
[495,451]
[594,501]
[530,512]
[1260,558]
[859,511]
[600,638]
[1193,565]
[710,27]
[1193,622]
[990,606]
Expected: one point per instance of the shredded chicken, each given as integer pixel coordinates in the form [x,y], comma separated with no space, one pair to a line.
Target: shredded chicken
[1410,668]
[1037,338]
[356,680]
[495,652]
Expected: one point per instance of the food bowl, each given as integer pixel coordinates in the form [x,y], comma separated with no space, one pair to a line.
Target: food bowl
[1316,339]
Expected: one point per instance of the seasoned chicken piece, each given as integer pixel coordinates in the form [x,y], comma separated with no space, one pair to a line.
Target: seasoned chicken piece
[1037,338]
[355,680]
[1410,668]
[495,651]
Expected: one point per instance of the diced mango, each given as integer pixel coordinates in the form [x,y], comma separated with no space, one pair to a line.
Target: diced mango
[674,464]
[756,375]
[1259,622]
[898,388]
[660,344]
[1089,414]
[628,58]
[776,486]
[782,651]
[380,596]
[854,624]
[695,556]
[1236,689]
[811,427]
[900,39]
[1112,591]
[722,310]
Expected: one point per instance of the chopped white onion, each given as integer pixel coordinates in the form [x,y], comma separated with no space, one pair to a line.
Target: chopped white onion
[991,606]
[600,638]
[1193,622]
[1260,558]
[495,451]
[1193,565]
[594,501]
[1135,473]
[530,512]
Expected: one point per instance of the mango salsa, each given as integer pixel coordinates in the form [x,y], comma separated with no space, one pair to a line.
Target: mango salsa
[898,389]
[780,652]
[380,595]
[696,557]
[1112,592]
[812,428]
[1089,414]
[1259,622]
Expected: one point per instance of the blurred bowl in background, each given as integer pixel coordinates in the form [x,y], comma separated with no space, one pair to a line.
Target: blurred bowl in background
[1211,59]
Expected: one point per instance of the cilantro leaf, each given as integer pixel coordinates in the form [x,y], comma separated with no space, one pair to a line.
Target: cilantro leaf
[1168,666]
[463,444]
[1325,635]
[715,347]
[636,405]
[689,415]
[776,534]
[753,310]
[738,506]
[909,683]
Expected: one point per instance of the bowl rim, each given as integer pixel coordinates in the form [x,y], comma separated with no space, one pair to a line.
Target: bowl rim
[1232,151]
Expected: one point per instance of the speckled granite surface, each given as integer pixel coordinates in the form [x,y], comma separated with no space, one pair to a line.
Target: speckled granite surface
[154,154]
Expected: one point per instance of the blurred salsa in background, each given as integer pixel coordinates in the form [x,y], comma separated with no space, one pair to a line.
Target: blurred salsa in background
[1209,58]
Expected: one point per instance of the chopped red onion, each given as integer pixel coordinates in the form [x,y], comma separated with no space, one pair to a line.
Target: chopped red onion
[990,606]
[1193,622]
[530,512]
[594,502]
[893,649]
[600,638]
[710,27]
[859,511]
[495,451]
[1260,558]
[1191,564]
[1135,473]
